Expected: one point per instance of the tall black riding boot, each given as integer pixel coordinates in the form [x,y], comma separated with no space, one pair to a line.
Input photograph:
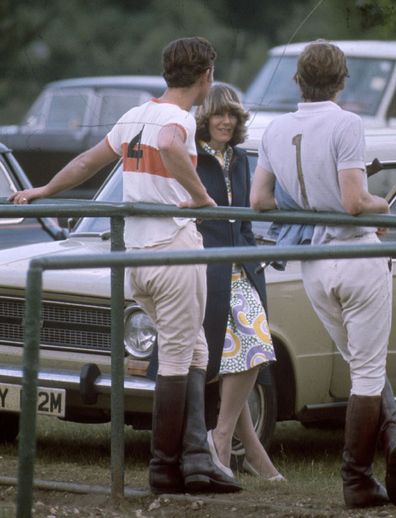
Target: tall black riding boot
[361,431]
[167,434]
[199,472]
[388,438]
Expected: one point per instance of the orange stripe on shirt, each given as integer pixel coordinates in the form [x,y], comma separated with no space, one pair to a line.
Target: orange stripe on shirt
[150,161]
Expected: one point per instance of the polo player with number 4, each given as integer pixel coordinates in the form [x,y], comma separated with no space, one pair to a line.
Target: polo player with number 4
[316,155]
[157,144]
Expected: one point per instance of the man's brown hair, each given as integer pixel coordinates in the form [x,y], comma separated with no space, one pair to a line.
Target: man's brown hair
[321,71]
[185,59]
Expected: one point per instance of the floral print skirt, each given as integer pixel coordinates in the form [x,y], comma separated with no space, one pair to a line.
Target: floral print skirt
[248,340]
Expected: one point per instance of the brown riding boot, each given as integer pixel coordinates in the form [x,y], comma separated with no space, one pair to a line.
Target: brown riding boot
[199,472]
[388,438]
[167,434]
[361,430]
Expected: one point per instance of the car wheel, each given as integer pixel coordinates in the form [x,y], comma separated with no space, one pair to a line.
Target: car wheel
[263,408]
[9,426]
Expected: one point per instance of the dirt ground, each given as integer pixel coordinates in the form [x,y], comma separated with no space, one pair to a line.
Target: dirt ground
[274,500]
[79,454]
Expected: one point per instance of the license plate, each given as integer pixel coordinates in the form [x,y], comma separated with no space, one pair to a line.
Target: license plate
[49,401]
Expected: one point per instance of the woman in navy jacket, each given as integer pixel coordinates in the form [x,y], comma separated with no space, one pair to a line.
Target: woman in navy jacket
[235,322]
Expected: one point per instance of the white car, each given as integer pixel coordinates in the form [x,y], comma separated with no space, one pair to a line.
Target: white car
[370,91]
[309,382]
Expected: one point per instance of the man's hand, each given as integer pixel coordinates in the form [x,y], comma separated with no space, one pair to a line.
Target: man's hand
[382,231]
[196,204]
[23,197]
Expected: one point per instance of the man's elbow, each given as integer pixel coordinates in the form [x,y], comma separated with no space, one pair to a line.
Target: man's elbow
[255,202]
[353,207]
[165,146]
[262,202]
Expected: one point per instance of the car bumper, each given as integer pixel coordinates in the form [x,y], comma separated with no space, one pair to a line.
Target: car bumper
[134,386]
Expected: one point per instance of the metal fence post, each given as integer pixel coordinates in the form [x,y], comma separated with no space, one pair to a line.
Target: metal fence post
[117,364]
[27,440]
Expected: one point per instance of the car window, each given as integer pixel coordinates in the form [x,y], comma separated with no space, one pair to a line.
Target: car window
[111,191]
[382,182]
[6,185]
[34,117]
[365,86]
[115,103]
[275,90]
[67,111]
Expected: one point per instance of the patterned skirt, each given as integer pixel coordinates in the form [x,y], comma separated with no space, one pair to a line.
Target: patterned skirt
[248,340]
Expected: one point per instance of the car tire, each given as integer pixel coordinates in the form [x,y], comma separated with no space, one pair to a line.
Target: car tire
[9,426]
[264,410]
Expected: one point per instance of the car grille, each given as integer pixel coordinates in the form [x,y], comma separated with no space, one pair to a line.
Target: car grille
[62,325]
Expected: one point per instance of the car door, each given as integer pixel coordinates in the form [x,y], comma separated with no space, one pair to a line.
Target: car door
[16,231]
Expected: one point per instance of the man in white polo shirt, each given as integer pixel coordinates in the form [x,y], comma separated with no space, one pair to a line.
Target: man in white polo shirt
[157,146]
[317,156]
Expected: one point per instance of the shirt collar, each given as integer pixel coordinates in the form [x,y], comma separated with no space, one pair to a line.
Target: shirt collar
[318,106]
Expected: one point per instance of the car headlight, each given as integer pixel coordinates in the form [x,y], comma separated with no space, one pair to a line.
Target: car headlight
[140,333]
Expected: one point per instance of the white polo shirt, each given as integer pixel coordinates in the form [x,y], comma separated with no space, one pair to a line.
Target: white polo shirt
[145,178]
[306,149]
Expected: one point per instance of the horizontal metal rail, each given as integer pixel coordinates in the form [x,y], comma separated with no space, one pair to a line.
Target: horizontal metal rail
[80,208]
[215,255]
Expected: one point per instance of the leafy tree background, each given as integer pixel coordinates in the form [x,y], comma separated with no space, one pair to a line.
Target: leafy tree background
[46,40]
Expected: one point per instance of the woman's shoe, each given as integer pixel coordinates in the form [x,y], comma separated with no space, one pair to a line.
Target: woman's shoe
[246,466]
[216,461]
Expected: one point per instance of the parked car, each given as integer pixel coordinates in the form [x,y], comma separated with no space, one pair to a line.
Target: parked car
[309,382]
[370,89]
[22,231]
[70,116]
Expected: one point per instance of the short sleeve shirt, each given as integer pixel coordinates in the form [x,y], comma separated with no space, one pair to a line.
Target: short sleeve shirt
[145,178]
[306,149]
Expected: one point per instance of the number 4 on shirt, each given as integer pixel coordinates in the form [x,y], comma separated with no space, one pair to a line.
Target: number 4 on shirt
[138,152]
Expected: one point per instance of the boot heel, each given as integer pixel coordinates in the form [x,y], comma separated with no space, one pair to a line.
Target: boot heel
[196,483]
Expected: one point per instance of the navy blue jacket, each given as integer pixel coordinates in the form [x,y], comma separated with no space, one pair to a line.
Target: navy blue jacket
[225,233]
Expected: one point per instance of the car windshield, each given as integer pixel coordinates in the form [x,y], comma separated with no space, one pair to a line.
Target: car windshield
[112,191]
[380,183]
[274,88]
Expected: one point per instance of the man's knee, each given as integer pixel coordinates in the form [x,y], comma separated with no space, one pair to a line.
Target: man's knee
[364,386]
[200,359]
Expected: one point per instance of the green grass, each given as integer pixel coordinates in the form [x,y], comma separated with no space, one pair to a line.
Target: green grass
[309,458]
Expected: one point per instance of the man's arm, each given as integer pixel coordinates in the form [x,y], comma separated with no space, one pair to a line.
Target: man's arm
[262,192]
[74,173]
[355,199]
[177,161]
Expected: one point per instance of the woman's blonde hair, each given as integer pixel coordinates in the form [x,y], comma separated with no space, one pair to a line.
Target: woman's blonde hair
[221,99]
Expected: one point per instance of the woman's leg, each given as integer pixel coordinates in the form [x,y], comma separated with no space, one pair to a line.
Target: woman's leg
[234,416]
[235,389]
[255,453]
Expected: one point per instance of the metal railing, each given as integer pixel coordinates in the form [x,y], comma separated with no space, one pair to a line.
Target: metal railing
[118,260]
